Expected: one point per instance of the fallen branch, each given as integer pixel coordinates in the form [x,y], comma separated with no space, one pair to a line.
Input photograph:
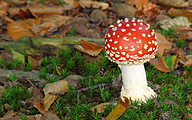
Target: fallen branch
[78,91]
[22,74]
[41,46]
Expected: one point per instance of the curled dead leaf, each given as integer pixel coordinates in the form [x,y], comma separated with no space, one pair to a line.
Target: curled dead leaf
[89,48]
[26,14]
[163,44]
[59,86]
[41,108]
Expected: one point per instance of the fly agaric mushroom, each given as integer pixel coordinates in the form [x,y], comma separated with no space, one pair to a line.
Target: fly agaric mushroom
[130,43]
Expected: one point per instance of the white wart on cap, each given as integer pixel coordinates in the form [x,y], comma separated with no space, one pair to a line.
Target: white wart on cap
[130,41]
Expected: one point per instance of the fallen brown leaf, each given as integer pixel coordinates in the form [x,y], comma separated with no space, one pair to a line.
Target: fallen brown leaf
[26,14]
[70,4]
[138,3]
[158,63]
[63,32]
[38,116]
[59,86]
[3,5]
[166,63]
[41,108]
[29,23]
[151,10]
[179,12]
[36,95]
[10,113]
[89,48]
[16,31]
[186,60]
[50,116]
[88,4]
[100,108]
[54,20]
[163,44]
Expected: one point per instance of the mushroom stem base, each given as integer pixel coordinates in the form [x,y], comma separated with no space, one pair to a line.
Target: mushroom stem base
[135,83]
[143,96]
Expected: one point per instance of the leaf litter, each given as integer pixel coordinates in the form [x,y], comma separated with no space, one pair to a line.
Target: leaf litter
[56,20]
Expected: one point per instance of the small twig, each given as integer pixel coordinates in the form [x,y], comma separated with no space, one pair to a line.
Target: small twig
[132,106]
[78,91]
[182,111]
[105,22]
[30,82]
[57,51]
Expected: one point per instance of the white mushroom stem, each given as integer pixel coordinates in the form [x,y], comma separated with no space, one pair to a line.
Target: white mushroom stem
[135,83]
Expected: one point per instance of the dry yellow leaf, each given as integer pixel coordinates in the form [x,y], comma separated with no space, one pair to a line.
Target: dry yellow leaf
[119,109]
[100,108]
[59,86]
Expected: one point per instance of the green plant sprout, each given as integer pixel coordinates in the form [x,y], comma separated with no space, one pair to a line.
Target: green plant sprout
[28,67]
[180,43]
[42,73]
[57,106]
[13,96]
[65,54]
[2,112]
[52,79]
[64,73]
[12,77]
[33,112]
[91,69]
[22,116]
[170,32]
[1,62]
[189,69]
[11,65]
[54,62]
[73,31]
[18,62]
[45,61]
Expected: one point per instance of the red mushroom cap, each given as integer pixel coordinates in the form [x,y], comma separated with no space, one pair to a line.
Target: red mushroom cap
[130,42]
